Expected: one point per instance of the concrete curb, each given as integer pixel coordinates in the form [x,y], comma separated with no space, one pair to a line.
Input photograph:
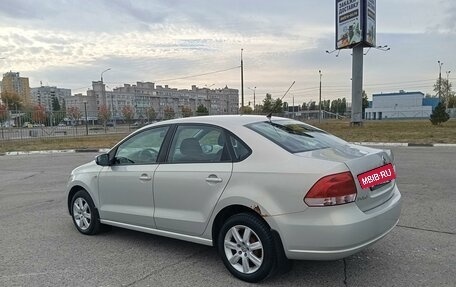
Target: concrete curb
[404,144]
[103,150]
[54,151]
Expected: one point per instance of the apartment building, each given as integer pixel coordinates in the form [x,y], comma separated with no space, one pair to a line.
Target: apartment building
[12,82]
[46,95]
[145,95]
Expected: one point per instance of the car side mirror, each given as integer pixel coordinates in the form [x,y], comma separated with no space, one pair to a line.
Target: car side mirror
[103,159]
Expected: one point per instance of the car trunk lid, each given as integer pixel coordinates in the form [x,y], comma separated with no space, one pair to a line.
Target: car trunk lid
[360,160]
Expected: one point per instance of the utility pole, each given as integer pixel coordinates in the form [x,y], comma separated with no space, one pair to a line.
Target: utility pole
[242,82]
[293,108]
[254,89]
[319,101]
[86,124]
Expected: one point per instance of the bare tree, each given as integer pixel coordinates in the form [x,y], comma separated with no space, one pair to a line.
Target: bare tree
[128,113]
[169,113]
[104,114]
[39,114]
[186,112]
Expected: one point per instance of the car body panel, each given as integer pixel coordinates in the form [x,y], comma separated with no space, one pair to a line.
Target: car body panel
[329,233]
[126,194]
[178,202]
[186,194]
[359,159]
[85,177]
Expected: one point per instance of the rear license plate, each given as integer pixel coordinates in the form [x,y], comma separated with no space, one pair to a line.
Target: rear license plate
[377,176]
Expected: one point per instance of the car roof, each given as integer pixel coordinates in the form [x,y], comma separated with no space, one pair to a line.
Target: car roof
[222,120]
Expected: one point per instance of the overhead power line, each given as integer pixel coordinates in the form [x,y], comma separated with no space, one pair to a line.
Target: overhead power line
[197,75]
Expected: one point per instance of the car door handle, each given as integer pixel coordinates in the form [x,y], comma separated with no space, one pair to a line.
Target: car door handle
[213,179]
[145,177]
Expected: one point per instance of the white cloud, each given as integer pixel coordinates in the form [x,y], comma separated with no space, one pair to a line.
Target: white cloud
[68,43]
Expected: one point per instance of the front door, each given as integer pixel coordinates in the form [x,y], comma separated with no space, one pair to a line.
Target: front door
[126,187]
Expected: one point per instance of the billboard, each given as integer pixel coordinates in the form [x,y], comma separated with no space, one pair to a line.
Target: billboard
[355,23]
[370,30]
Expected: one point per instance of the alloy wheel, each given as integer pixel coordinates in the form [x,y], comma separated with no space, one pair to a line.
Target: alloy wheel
[81,213]
[243,249]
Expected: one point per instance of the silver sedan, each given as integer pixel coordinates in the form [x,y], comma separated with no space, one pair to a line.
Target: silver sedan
[261,190]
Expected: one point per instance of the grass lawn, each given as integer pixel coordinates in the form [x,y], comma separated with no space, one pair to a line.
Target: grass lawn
[398,131]
[62,143]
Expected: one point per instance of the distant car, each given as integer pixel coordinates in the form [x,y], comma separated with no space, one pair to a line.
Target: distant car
[61,125]
[261,190]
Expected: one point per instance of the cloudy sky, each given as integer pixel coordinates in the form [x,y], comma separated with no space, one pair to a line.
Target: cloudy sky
[68,43]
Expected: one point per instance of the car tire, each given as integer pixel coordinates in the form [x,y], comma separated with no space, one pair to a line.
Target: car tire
[85,215]
[246,245]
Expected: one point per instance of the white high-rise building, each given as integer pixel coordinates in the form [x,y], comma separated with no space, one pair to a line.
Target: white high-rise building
[45,95]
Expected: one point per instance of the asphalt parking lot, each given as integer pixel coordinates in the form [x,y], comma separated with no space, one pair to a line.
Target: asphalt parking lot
[40,247]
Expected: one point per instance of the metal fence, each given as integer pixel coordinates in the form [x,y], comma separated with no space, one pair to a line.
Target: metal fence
[18,125]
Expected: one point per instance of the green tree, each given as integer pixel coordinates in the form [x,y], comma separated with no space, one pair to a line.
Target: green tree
[246,110]
[339,106]
[439,115]
[151,114]
[12,100]
[277,108]
[201,110]
[55,104]
[267,104]
[343,106]
[58,111]
[365,103]
[325,105]
[313,106]
[186,112]
[446,91]
[3,113]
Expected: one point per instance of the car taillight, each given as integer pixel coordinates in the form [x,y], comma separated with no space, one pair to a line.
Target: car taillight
[331,190]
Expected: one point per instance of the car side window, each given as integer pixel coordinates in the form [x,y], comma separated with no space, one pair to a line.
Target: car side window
[241,151]
[142,148]
[198,143]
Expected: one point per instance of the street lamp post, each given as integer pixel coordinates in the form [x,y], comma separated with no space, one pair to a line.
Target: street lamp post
[86,123]
[319,105]
[108,69]
[104,94]
[440,78]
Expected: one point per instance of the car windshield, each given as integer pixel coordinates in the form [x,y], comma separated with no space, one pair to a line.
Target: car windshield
[295,136]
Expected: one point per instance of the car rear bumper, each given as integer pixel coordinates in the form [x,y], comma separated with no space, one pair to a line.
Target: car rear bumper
[329,233]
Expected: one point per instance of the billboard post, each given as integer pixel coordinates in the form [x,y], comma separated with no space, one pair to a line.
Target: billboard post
[356,29]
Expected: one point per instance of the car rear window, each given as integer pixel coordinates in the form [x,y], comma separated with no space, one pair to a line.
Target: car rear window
[295,136]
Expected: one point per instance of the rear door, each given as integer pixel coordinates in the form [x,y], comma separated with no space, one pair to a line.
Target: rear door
[189,184]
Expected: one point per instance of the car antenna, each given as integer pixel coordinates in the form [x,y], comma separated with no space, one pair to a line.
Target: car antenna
[269,116]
